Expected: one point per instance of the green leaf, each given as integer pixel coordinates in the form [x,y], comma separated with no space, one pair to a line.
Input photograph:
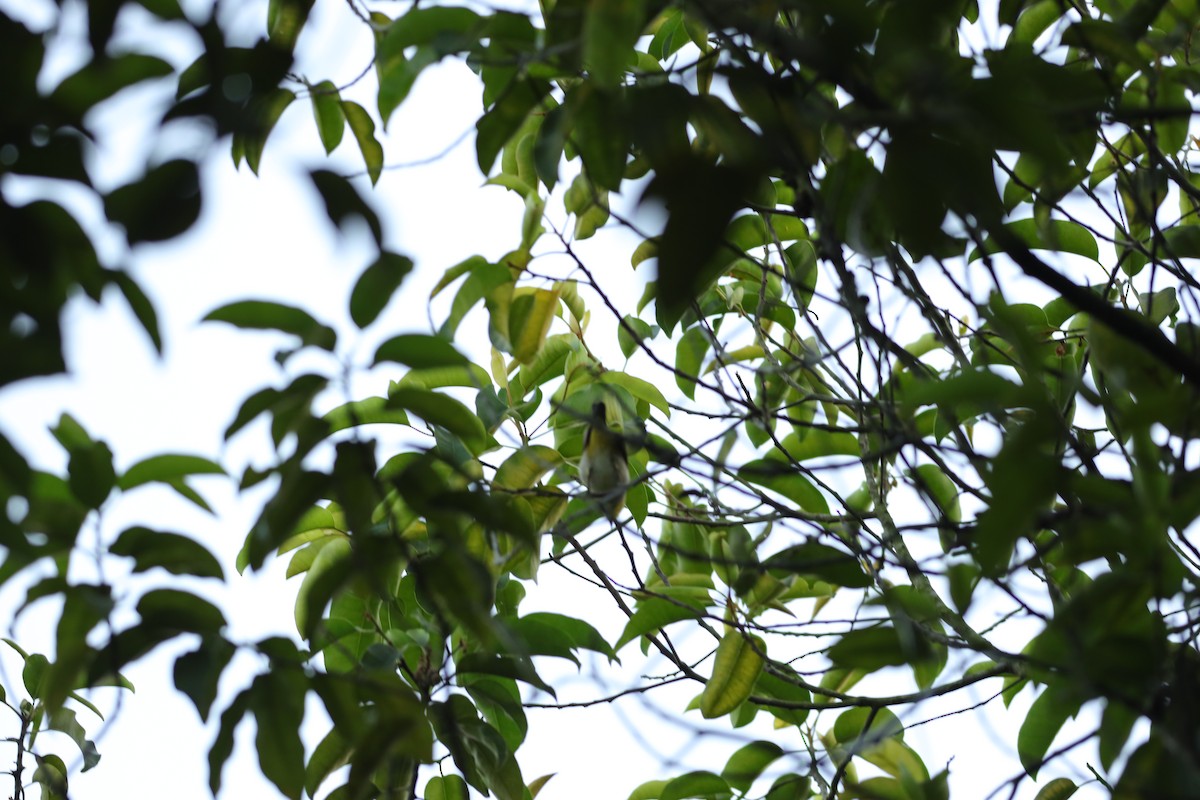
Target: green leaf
[91,475]
[869,649]
[514,667]
[161,205]
[1057,789]
[376,285]
[932,482]
[632,332]
[650,790]
[175,610]
[526,466]
[781,683]
[103,77]
[265,112]
[654,613]
[851,727]
[529,321]
[609,32]
[1178,242]
[368,411]
[496,127]
[536,784]
[441,409]
[816,443]
[141,306]
[173,552]
[167,469]
[197,673]
[51,775]
[748,762]
[1053,707]
[785,480]
[327,110]
[448,787]
[822,562]
[398,74]
[277,700]
[639,388]
[1116,723]
[222,746]
[576,632]
[33,674]
[285,21]
[330,754]
[419,351]
[700,783]
[268,315]
[790,787]
[63,719]
[363,128]
[343,202]
[327,573]
[1059,235]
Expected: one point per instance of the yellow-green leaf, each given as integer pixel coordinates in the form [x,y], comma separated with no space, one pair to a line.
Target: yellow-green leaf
[736,667]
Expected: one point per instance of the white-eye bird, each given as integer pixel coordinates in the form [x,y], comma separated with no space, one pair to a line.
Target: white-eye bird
[603,467]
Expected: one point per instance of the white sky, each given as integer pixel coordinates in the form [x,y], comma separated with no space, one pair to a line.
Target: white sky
[267,237]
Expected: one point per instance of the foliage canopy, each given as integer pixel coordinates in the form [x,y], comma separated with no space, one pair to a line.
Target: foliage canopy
[917,352]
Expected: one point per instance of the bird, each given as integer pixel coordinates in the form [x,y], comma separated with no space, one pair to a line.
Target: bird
[603,467]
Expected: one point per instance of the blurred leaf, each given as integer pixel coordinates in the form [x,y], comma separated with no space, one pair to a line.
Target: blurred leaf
[267,315]
[419,351]
[277,700]
[1053,707]
[162,204]
[368,411]
[343,202]
[166,469]
[376,286]
[176,554]
[198,672]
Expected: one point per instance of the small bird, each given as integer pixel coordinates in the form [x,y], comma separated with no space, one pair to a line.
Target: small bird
[603,467]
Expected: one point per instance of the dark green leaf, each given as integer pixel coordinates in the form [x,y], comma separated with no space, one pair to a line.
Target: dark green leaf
[1053,707]
[264,112]
[266,315]
[343,202]
[175,610]
[197,673]
[376,286]
[277,700]
[141,306]
[166,469]
[176,554]
[161,205]
[496,127]
[822,562]
[419,351]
